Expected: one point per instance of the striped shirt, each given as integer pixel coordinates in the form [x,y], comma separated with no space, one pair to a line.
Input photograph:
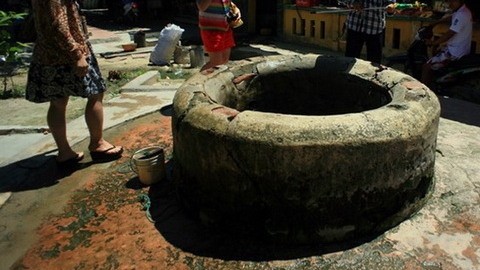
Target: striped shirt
[214,17]
[370,22]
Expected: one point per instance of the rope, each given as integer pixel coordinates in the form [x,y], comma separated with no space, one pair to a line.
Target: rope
[145,201]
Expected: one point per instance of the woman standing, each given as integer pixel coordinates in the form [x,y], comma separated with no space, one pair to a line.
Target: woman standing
[64,65]
[217,35]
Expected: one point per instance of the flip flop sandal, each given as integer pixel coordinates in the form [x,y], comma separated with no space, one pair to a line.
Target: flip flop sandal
[105,156]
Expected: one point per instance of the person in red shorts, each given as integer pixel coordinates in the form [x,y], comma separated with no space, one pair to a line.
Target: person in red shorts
[216,34]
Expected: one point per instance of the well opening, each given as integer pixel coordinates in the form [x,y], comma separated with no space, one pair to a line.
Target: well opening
[312,92]
[307,149]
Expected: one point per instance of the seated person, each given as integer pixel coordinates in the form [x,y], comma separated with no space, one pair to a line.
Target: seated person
[458,40]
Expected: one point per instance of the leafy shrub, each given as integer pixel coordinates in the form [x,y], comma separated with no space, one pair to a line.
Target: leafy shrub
[9,48]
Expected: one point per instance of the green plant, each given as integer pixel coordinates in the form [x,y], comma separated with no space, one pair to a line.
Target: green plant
[15,91]
[174,74]
[9,48]
[118,78]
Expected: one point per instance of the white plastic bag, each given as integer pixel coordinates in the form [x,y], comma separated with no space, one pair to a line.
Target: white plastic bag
[163,51]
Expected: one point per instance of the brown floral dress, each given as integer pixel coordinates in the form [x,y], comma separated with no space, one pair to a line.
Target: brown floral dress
[61,41]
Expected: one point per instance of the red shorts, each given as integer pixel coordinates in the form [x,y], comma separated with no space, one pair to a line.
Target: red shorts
[217,41]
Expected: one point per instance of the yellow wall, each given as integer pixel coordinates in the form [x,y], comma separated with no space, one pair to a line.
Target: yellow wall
[320,29]
[399,32]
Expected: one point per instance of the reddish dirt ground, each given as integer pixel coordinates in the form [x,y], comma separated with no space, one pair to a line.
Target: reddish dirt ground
[104,226]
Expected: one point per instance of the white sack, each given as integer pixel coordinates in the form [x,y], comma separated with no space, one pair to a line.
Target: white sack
[163,51]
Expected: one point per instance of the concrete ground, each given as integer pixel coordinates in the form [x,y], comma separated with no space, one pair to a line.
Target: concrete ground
[95,216]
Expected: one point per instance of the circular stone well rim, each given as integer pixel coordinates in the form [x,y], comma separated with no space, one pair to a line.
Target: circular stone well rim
[406,94]
[201,122]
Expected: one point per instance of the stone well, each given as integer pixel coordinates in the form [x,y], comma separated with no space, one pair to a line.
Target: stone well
[304,148]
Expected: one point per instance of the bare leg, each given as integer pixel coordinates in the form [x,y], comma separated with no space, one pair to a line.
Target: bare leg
[58,126]
[216,59]
[226,55]
[94,119]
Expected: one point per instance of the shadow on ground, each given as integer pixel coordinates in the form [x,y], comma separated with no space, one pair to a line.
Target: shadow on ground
[460,111]
[187,233]
[243,52]
[37,172]
[32,173]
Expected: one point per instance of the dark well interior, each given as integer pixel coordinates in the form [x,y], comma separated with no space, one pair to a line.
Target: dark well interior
[316,91]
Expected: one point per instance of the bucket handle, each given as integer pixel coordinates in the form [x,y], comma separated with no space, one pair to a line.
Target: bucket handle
[132,166]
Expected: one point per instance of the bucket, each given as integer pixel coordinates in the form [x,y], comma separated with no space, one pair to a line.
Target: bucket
[140,39]
[197,56]
[181,55]
[149,164]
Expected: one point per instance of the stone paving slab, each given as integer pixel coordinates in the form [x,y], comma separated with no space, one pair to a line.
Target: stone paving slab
[18,143]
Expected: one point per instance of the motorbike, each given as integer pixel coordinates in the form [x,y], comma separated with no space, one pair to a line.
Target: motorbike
[126,11]
[460,79]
